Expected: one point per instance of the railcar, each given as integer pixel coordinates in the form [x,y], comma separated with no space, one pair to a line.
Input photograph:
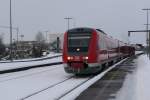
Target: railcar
[88,50]
[127,50]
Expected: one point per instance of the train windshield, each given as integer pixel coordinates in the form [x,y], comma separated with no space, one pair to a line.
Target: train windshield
[78,42]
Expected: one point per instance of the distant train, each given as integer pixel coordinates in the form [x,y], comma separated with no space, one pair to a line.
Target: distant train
[88,50]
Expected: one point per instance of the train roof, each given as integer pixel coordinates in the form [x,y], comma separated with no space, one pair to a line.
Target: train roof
[88,30]
[101,31]
[81,29]
[84,29]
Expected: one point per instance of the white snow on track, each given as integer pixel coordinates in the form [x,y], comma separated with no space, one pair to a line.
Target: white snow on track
[6,66]
[51,54]
[139,52]
[22,84]
[19,85]
[72,95]
[59,90]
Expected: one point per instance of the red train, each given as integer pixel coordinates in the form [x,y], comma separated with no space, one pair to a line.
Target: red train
[88,50]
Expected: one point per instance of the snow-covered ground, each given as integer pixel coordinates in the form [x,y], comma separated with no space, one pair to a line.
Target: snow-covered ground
[136,85]
[15,86]
[6,66]
[22,85]
[19,85]
[51,54]
[139,52]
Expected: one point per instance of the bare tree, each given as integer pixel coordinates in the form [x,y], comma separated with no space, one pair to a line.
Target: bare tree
[2,46]
[38,49]
[40,37]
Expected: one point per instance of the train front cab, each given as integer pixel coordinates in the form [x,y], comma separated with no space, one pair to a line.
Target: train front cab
[80,51]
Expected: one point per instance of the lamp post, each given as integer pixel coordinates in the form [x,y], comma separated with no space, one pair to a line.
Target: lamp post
[148,34]
[17,34]
[46,40]
[68,19]
[10,32]
[22,36]
[74,23]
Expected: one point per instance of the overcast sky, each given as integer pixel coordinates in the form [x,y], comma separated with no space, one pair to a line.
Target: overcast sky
[115,17]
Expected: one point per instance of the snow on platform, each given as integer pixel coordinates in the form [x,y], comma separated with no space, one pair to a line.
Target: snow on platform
[14,65]
[52,54]
[136,86]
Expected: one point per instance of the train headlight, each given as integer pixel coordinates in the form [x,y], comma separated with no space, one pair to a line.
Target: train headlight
[86,58]
[78,49]
[68,58]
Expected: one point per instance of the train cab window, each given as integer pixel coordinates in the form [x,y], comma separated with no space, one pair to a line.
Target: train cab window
[78,41]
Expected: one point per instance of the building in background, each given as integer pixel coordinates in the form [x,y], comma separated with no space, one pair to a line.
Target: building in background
[28,49]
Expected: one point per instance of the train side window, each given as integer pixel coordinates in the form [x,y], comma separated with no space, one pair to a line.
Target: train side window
[108,44]
[104,43]
[100,43]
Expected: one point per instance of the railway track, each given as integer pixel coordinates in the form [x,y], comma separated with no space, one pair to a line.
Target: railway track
[72,94]
[38,64]
[64,94]
[13,76]
[51,86]
[28,67]
[45,83]
[30,81]
[38,59]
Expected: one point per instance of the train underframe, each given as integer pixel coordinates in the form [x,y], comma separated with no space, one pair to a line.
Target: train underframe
[90,68]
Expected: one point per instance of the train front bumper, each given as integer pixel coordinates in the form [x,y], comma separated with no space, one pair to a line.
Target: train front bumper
[90,69]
